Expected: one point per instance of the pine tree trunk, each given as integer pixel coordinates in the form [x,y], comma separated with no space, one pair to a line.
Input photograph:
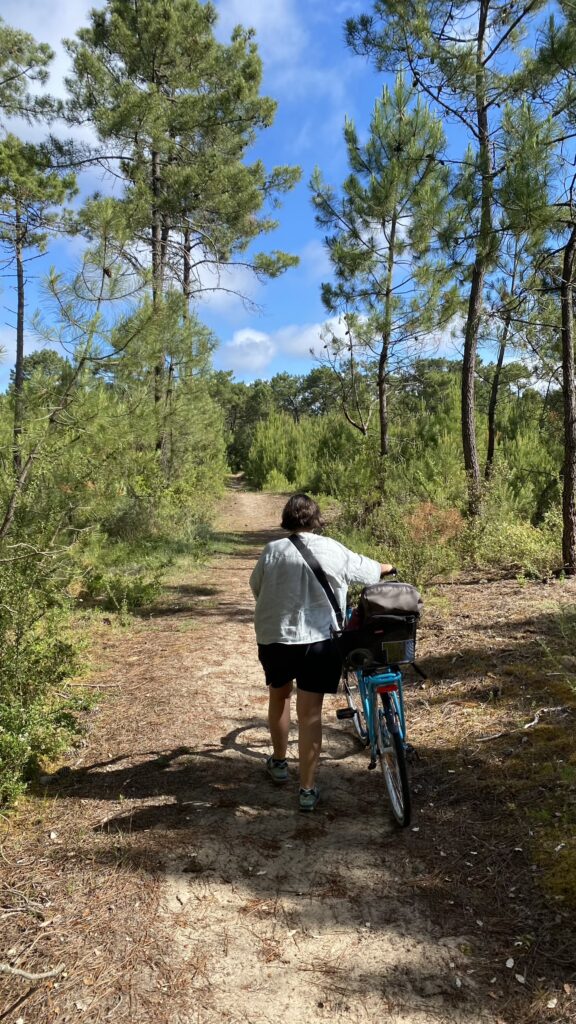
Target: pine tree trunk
[569,394]
[493,404]
[494,391]
[19,365]
[167,436]
[386,339]
[156,265]
[186,270]
[471,464]
[156,230]
[481,265]
[383,400]
[157,287]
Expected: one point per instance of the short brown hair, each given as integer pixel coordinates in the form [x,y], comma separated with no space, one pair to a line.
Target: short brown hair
[301,513]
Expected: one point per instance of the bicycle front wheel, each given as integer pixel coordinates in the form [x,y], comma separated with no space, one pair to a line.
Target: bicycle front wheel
[392,757]
[354,702]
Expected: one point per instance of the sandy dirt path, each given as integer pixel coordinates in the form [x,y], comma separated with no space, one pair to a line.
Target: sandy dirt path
[281,917]
[181,886]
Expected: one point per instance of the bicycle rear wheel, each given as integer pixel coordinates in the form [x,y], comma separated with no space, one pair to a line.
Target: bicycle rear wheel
[392,757]
[354,702]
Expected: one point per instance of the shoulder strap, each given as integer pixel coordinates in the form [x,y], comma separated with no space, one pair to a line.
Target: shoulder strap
[320,575]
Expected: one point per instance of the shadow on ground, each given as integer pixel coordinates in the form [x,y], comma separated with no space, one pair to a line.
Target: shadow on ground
[229,824]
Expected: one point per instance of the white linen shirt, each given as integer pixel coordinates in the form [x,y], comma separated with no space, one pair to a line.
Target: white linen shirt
[291,606]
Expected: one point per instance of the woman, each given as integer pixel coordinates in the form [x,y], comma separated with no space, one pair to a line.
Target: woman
[293,621]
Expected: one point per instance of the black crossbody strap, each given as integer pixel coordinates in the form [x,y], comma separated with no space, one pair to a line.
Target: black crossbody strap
[320,575]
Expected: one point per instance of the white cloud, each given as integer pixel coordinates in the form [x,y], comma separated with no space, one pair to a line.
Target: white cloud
[249,351]
[302,81]
[227,291]
[253,351]
[287,48]
[66,16]
[280,32]
[299,339]
[447,341]
[342,9]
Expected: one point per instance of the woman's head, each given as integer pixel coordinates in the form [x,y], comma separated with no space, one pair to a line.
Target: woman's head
[301,513]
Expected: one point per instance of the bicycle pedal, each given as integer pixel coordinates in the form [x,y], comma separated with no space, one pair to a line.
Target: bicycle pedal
[345,713]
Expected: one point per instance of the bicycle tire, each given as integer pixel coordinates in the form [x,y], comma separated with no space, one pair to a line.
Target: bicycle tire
[392,757]
[355,704]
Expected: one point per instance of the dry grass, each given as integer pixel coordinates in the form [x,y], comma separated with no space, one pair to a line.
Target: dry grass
[96,915]
[496,783]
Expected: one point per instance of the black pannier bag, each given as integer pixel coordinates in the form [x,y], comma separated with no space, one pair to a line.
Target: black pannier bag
[389,598]
[385,634]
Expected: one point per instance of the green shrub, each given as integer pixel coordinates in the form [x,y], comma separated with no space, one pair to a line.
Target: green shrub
[31,734]
[38,655]
[276,482]
[118,591]
[511,546]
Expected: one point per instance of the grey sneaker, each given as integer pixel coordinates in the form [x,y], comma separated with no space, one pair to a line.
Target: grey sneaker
[277,770]
[309,798]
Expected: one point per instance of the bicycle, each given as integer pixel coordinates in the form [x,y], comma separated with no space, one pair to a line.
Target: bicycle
[373,687]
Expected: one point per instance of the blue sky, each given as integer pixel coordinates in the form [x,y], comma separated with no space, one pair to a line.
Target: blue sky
[316,81]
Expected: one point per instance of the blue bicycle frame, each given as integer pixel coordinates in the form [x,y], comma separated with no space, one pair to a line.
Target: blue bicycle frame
[371,684]
[381,697]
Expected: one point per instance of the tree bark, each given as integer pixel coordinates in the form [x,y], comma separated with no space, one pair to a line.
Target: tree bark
[481,265]
[19,365]
[158,253]
[156,230]
[187,266]
[386,340]
[383,399]
[569,395]
[494,391]
[493,404]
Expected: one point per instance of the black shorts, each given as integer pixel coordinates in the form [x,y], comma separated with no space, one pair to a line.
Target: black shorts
[315,667]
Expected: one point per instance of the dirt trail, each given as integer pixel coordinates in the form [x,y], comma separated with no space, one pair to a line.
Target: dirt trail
[277,916]
[190,888]
[296,919]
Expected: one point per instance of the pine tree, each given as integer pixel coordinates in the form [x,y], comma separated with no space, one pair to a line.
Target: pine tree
[549,76]
[464,60]
[178,111]
[525,195]
[23,63]
[383,240]
[30,196]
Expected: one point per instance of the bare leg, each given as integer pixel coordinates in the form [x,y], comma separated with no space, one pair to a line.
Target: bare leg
[279,718]
[309,709]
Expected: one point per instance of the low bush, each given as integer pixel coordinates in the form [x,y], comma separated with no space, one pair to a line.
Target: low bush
[33,733]
[38,655]
[121,591]
[277,482]
[418,539]
[512,546]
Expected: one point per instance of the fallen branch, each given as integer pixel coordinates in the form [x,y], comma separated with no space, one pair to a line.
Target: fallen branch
[522,728]
[15,971]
